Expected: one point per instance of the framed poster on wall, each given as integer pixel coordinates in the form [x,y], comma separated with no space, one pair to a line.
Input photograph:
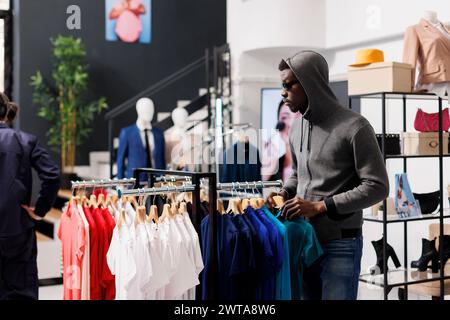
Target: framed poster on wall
[128,21]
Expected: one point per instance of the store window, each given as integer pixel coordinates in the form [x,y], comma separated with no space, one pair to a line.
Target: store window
[5,47]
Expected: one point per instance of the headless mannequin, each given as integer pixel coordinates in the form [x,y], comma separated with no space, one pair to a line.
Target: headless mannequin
[440,89]
[179,118]
[431,16]
[177,141]
[146,110]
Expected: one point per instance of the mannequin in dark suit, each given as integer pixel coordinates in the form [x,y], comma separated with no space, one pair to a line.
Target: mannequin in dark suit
[19,153]
[133,142]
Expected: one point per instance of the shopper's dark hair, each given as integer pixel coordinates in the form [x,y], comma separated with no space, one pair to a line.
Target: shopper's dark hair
[8,109]
[283,65]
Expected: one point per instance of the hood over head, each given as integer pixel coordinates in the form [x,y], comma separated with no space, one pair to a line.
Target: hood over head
[311,69]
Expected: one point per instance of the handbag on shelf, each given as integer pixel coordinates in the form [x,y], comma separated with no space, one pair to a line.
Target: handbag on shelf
[391,143]
[429,202]
[429,122]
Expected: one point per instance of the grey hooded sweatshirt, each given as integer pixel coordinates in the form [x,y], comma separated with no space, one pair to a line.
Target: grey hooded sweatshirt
[336,156]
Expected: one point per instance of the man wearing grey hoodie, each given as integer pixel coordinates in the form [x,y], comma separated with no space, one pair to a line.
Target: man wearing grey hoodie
[338,172]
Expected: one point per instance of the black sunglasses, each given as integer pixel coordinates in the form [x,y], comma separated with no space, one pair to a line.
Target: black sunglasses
[288,85]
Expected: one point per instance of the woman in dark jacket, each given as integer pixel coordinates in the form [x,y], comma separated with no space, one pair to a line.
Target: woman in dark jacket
[19,153]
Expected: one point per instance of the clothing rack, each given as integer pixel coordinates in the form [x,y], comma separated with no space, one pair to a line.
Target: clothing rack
[195,179]
[102,183]
[173,179]
[155,191]
[249,185]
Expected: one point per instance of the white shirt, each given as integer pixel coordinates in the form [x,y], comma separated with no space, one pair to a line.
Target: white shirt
[183,276]
[151,139]
[86,273]
[119,258]
[143,271]
[196,251]
[160,277]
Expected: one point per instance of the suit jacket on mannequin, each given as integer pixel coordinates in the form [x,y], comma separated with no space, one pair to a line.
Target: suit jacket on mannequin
[131,148]
[429,48]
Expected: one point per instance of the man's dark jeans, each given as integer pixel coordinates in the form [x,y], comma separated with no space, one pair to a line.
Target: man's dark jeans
[335,275]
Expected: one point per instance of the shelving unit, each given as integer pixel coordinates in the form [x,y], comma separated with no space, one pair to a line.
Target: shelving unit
[406,277]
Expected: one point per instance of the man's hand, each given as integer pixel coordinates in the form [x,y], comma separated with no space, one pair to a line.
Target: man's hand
[270,202]
[31,213]
[297,207]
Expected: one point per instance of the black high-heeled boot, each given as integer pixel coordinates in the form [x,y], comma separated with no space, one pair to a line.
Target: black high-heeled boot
[446,250]
[378,246]
[429,253]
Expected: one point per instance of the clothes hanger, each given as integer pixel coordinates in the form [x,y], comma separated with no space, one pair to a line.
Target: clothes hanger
[234,205]
[220,206]
[84,200]
[101,200]
[153,214]
[93,200]
[140,211]
[183,208]
[259,200]
[166,214]
[254,200]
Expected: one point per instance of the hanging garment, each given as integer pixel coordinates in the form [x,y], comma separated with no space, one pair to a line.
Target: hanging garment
[241,163]
[132,148]
[246,283]
[283,279]
[234,259]
[276,261]
[183,276]
[85,279]
[143,272]
[198,259]
[95,293]
[304,250]
[160,278]
[71,232]
[119,259]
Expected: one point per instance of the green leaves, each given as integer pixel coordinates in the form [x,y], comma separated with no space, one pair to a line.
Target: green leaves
[63,102]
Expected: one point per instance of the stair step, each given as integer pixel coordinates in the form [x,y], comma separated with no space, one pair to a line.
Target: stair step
[47,226]
[183,103]
[42,237]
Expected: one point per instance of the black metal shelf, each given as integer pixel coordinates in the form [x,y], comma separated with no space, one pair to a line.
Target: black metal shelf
[406,277]
[401,156]
[396,219]
[403,277]
[397,95]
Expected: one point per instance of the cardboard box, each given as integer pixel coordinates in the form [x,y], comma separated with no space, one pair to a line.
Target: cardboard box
[380,77]
[423,143]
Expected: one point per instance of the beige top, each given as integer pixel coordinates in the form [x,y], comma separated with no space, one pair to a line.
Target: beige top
[427,47]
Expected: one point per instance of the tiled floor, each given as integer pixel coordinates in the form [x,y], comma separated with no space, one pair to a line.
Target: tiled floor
[366,292]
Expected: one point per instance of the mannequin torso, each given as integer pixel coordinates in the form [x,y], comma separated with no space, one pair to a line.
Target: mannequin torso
[441,89]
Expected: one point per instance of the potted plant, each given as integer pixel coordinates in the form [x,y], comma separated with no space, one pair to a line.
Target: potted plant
[63,101]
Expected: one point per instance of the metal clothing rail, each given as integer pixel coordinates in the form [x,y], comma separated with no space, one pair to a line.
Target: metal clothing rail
[172,178]
[102,183]
[249,185]
[155,191]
